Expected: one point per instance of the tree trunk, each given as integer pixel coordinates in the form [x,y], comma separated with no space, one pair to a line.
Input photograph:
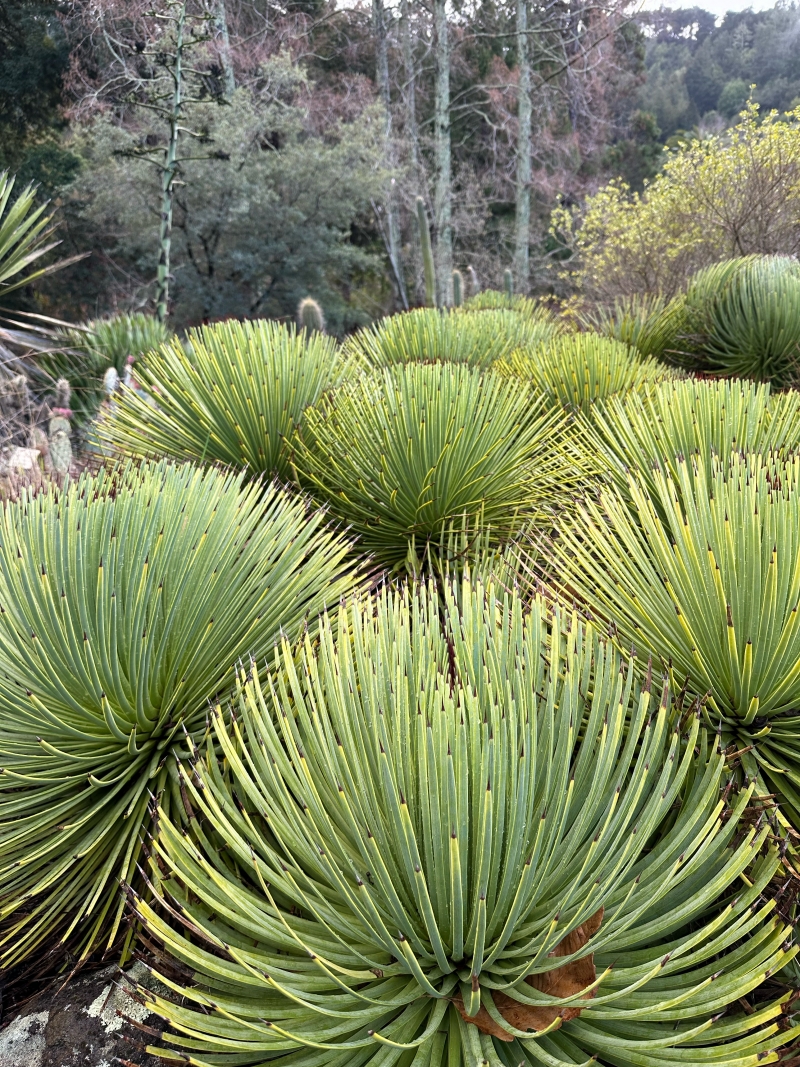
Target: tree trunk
[522,226]
[224,45]
[392,226]
[169,171]
[442,195]
[409,91]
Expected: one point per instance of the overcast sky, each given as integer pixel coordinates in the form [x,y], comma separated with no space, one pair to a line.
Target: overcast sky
[717,7]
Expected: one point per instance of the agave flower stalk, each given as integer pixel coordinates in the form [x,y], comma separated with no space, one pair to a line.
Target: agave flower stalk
[234,394]
[403,454]
[702,569]
[126,600]
[461,845]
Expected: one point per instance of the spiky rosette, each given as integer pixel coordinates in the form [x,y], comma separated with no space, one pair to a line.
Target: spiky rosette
[125,601]
[462,838]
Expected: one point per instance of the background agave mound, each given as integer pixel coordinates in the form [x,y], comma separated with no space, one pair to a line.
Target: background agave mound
[126,600]
[643,431]
[235,394]
[703,571]
[427,335]
[645,321]
[577,370]
[89,352]
[437,842]
[487,299]
[742,316]
[404,453]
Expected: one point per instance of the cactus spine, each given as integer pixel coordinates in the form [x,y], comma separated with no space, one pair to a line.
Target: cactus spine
[508,284]
[427,253]
[59,430]
[309,316]
[458,288]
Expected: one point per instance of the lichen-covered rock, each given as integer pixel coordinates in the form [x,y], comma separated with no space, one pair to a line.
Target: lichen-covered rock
[90,1022]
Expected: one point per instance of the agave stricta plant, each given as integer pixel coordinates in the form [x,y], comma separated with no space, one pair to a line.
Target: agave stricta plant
[742,316]
[643,431]
[426,335]
[126,599]
[234,394]
[577,370]
[405,453]
[646,322]
[702,569]
[439,849]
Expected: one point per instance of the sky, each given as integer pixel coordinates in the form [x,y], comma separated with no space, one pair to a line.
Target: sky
[716,7]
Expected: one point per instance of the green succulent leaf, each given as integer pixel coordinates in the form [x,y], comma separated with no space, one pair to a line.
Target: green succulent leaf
[701,568]
[742,316]
[576,371]
[125,600]
[643,432]
[234,394]
[645,321]
[427,335]
[403,454]
[436,822]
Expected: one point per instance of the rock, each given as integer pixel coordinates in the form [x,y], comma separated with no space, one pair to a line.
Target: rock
[91,1022]
[19,459]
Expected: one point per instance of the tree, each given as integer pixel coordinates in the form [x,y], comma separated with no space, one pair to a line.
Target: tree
[729,195]
[443,192]
[522,217]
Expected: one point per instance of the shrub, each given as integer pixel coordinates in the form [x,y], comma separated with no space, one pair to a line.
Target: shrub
[404,453]
[742,317]
[436,841]
[643,432]
[126,600]
[235,395]
[576,371]
[733,194]
[703,573]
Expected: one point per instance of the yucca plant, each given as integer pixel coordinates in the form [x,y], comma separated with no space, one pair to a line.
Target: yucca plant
[701,570]
[577,370]
[461,841]
[403,454]
[643,431]
[126,600]
[26,236]
[742,317]
[645,321]
[426,335]
[234,394]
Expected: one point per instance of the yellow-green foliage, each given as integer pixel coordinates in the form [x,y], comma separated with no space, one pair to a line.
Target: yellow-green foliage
[577,370]
[234,394]
[403,454]
[427,335]
[728,195]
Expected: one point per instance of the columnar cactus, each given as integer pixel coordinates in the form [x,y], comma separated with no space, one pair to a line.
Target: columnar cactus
[427,254]
[309,316]
[508,284]
[59,429]
[474,283]
[458,288]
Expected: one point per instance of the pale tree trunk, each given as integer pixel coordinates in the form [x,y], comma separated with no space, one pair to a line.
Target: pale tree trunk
[410,91]
[522,226]
[220,16]
[392,226]
[169,170]
[442,194]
